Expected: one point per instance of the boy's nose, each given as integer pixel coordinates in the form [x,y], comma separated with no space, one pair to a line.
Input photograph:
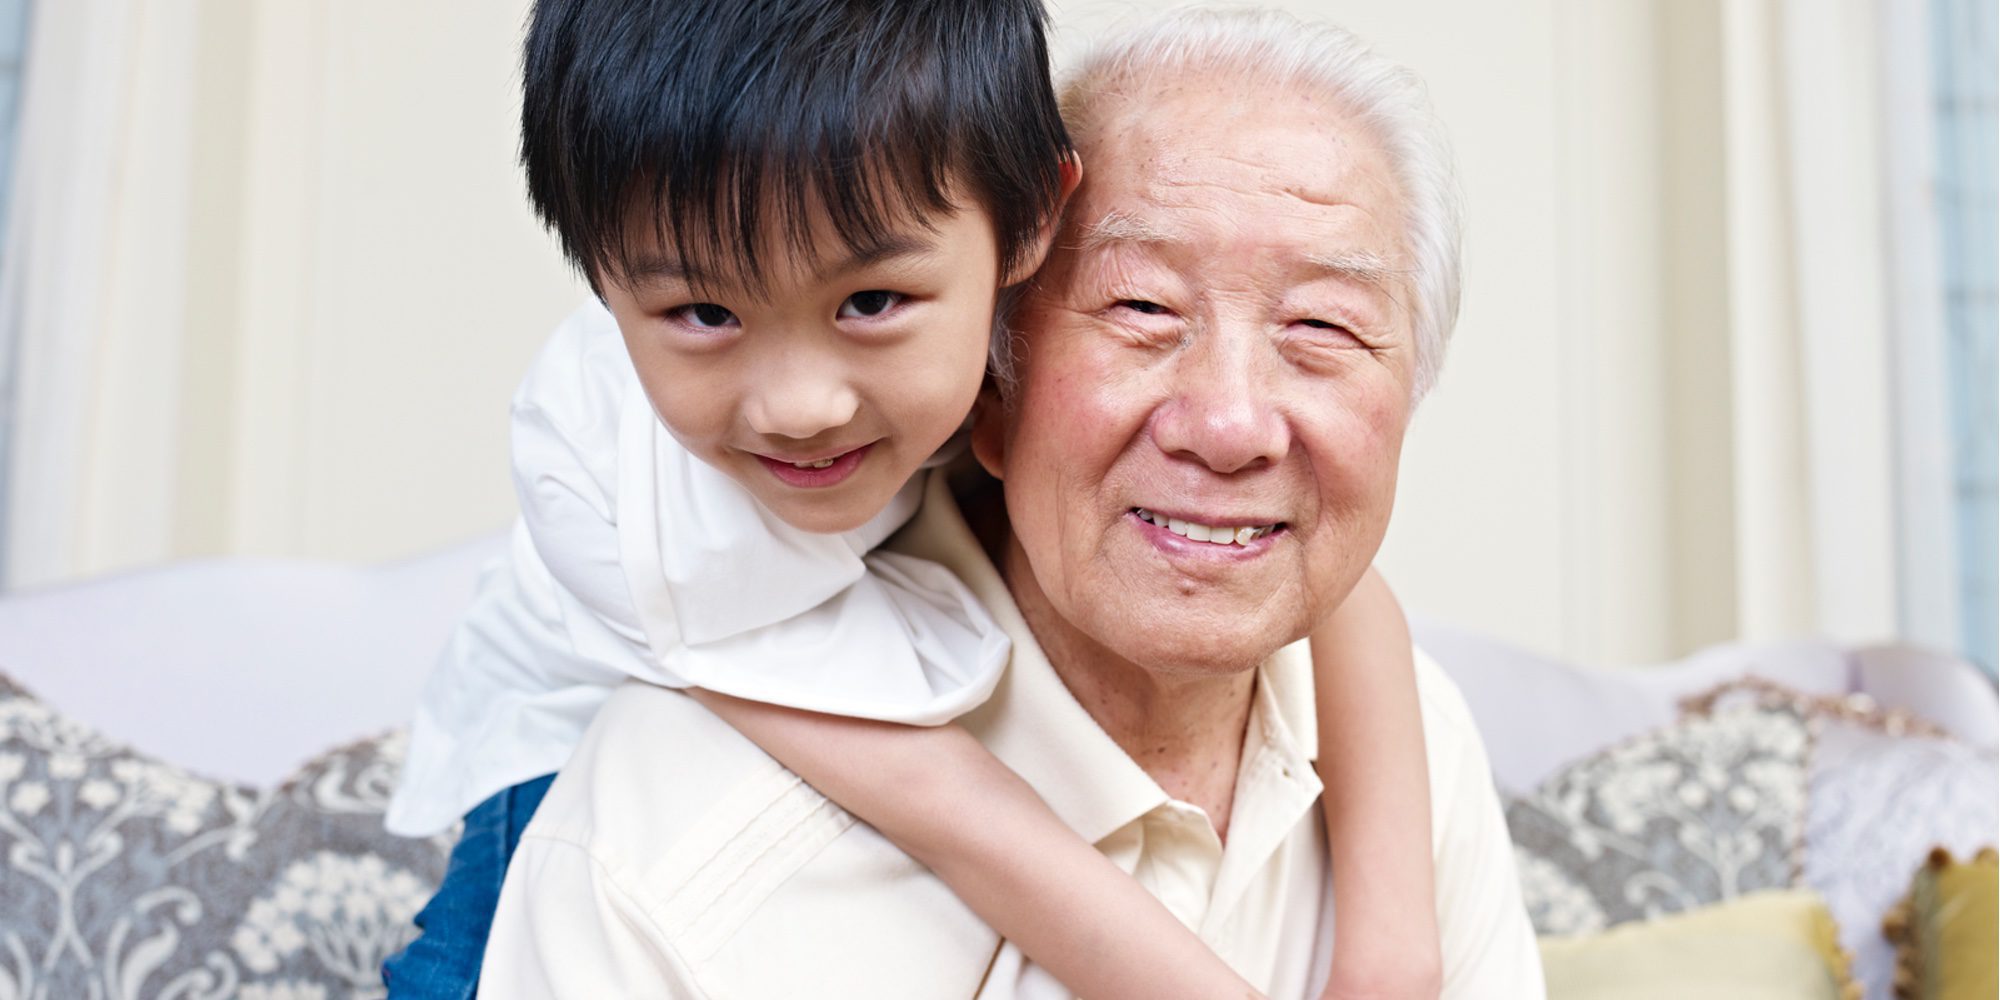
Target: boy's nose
[802,407]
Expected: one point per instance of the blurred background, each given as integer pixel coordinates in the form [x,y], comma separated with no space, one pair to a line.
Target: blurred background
[1726,366]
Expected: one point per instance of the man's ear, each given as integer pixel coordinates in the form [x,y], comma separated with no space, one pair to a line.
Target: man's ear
[989,431]
[1037,251]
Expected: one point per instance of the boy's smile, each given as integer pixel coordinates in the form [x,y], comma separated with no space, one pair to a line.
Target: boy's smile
[823,387]
[815,473]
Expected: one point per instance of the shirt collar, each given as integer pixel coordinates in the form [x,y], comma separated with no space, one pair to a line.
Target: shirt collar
[1035,726]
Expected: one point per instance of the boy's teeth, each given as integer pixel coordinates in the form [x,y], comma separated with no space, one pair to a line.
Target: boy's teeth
[821,464]
[1212,534]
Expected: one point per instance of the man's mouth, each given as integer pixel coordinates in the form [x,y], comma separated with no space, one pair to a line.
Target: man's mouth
[1214,534]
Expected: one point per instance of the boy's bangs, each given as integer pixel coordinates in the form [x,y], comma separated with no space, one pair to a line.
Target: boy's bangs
[719,132]
[725,214]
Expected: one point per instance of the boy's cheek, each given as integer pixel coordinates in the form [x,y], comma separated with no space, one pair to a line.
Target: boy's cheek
[693,406]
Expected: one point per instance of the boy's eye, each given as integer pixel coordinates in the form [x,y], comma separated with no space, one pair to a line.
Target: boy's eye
[704,315]
[874,302]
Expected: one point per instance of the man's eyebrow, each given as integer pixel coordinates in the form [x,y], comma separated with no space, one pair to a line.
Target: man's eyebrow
[1364,267]
[1117,227]
[1361,266]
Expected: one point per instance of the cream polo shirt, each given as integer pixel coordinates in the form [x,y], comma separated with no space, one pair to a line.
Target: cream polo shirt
[672,858]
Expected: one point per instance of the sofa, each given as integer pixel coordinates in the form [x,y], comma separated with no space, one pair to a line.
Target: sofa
[194,760]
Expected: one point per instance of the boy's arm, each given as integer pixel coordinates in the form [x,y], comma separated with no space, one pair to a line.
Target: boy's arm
[1377,801]
[943,798]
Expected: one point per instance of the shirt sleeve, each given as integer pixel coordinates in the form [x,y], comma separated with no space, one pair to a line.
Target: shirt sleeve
[564,438]
[1488,946]
[564,929]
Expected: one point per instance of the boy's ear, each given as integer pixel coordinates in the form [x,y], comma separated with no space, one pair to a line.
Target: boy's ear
[1038,251]
[989,431]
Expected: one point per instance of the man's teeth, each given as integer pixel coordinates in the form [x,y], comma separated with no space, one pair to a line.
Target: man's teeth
[1212,533]
[821,464]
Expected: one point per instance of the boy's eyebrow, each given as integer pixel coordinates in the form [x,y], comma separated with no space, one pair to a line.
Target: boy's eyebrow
[893,246]
[666,267]
[660,267]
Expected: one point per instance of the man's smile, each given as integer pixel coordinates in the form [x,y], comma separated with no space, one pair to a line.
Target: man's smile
[1214,531]
[1206,541]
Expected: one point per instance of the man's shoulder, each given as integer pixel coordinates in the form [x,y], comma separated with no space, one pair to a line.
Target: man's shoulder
[1442,703]
[659,788]
[1489,948]
[1461,778]
[732,859]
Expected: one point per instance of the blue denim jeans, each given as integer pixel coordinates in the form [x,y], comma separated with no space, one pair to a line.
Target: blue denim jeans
[443,962]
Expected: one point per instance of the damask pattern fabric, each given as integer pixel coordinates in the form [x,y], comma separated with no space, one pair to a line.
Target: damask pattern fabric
[1707,809]
[128,878]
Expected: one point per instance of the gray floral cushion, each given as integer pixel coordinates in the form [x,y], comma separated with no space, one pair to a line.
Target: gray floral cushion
[124,877]
[1706,809]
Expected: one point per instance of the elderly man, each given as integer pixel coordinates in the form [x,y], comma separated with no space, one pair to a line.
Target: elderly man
[1250,293]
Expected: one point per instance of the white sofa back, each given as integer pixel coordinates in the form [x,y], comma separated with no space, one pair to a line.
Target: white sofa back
[241,669]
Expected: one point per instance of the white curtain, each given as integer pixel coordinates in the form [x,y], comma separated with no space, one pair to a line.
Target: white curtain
[91,293]
[1808,310]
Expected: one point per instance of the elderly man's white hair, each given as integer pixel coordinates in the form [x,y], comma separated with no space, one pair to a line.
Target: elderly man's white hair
[1273,48]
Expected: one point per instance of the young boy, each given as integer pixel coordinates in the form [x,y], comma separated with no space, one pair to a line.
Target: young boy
[799,214]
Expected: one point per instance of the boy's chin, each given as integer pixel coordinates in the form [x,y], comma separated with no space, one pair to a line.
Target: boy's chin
[832,514]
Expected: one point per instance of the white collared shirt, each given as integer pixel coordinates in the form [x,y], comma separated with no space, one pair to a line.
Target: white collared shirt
[672,858]
[635,559]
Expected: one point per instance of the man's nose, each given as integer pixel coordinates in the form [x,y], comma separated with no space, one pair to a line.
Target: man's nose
[1220,412]
[801,398]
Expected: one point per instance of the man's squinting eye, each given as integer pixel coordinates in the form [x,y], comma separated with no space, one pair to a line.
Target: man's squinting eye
[703,315]
[868,304]
[1143,307]
[1327,324]
[1341,333]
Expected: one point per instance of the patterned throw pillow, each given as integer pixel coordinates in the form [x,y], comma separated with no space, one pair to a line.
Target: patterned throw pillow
[1884,792]
[1706,809]
[127,877]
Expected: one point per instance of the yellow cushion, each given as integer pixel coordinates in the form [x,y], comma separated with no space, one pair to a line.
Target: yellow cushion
[1779,944]
[1945,930]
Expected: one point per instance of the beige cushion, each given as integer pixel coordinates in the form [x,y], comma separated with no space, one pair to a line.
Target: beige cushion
[1773,945]
[1945,928]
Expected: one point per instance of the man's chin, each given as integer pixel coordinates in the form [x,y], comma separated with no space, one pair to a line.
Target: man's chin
[1198,649]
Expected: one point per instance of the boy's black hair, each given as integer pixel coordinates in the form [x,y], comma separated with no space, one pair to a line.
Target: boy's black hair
[707,116]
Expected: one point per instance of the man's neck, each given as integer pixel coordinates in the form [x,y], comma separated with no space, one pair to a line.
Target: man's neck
[1186,732]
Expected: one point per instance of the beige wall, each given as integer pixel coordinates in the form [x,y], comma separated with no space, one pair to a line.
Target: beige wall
[364,284]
